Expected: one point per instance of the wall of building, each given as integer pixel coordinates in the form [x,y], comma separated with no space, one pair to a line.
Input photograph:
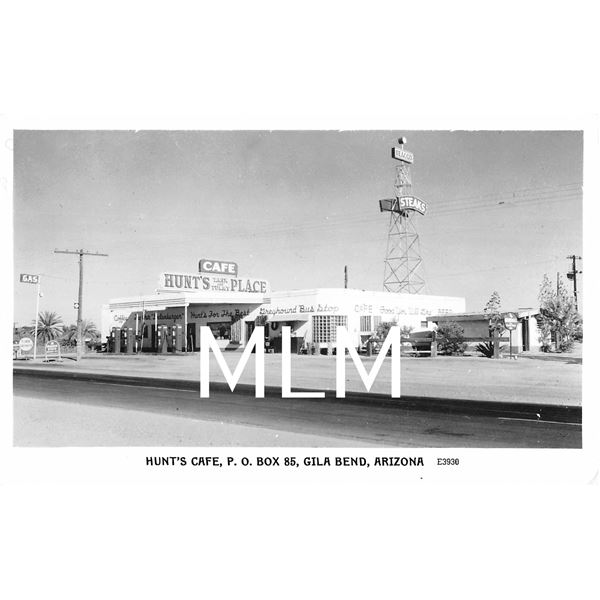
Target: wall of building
[314,314]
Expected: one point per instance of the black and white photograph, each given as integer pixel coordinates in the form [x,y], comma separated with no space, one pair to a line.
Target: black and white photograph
[297,295]
[452,260]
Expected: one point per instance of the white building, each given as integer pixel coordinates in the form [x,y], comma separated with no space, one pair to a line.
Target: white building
[233,306]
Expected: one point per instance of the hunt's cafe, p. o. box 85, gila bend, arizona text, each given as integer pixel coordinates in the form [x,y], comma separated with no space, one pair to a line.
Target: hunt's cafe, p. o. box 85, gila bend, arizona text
[232,305]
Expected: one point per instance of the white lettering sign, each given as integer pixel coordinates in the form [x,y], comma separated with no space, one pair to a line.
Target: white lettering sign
[195,282]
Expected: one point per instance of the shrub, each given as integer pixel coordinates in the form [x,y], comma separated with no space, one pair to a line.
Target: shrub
[451,338]
[487,349]
[566,345]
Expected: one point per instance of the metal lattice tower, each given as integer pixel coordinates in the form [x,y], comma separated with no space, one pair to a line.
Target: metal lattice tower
[402,271]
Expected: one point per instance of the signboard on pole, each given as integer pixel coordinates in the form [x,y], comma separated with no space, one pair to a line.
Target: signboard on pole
[52,350]
[26,344]
[403,155]
[510,321]
[402,204]
[27,278]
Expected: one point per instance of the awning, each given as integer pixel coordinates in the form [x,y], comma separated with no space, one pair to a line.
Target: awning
[288,318]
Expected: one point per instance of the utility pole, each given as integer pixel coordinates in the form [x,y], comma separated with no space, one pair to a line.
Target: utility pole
[81,254]
[573,275]
[345,276]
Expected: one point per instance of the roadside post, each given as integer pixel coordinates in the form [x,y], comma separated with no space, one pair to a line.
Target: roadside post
[34,279]
[510,323]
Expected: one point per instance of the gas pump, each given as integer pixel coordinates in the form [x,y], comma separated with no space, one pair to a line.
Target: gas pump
[115,340]
[176,338]
[162,333]
[129,340]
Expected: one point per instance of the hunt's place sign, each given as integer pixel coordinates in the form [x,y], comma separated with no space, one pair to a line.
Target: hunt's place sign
[204,282]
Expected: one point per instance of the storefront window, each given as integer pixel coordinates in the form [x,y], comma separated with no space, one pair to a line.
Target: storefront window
[221,331]
[325,327]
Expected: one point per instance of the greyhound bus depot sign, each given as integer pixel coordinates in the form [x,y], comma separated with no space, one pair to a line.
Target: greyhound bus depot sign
[205,282]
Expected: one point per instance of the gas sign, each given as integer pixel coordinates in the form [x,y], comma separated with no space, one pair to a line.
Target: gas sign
[27,278]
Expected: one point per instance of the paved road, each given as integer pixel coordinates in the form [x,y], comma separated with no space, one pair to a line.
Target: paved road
[57,412]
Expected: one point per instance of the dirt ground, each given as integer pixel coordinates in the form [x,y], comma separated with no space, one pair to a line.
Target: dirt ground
[533,377]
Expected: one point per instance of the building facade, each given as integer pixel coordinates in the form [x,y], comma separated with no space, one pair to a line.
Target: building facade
[232,307]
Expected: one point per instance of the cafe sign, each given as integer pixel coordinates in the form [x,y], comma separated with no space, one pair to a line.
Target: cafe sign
[194,282]
[218,267]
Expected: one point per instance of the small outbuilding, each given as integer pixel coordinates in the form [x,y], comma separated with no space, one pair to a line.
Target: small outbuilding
[525,338]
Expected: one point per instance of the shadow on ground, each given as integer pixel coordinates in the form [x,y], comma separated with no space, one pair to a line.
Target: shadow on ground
[560,358]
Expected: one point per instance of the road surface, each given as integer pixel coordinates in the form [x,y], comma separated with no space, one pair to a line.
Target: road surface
[61,412]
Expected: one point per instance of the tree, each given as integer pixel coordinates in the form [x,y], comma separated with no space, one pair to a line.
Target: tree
[406,330]
[382,331]
[50,326]
[23,331]
[492,310]
[88,329]
[558,318]
[451,339]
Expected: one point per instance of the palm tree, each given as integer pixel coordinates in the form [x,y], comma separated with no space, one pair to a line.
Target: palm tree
[88,329]
[50,326]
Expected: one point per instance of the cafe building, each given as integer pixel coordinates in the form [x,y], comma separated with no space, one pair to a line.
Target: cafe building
[232,306]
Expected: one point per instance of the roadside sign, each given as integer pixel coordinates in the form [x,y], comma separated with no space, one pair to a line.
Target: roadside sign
[26,344]
[412,203]
[52,350]
[510,321]
[75,304]
[403,155]
[27,278]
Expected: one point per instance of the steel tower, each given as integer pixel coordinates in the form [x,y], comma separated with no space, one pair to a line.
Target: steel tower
[402,271]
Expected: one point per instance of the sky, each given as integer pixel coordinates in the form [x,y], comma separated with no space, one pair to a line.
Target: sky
[293,207]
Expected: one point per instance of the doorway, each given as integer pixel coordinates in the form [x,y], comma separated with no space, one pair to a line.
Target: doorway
[525,333]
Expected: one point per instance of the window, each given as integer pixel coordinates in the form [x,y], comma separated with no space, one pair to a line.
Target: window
[325,327]
[376,322]
[220,331]
[365,324]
